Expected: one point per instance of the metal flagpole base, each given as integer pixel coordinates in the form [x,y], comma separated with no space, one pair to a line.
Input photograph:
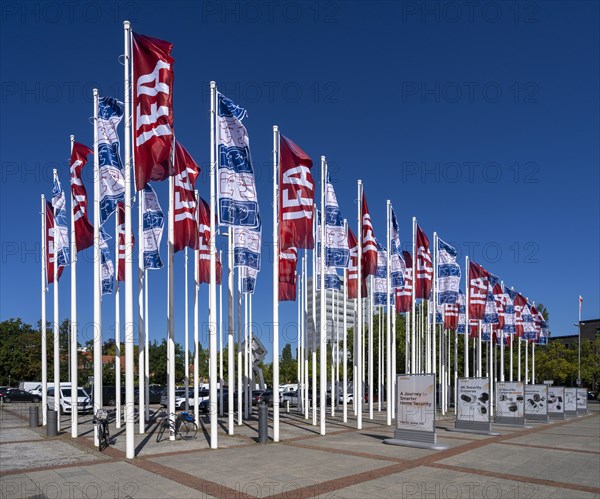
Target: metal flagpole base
[418,445]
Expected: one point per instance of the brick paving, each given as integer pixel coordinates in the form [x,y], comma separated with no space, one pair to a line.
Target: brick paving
[559,459]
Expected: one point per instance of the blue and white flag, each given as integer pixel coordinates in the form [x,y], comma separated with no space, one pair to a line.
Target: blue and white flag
[397,264]
[332,280]
[112,183]
[107,268]
[246,247]
[462,318]
[380,277]
[509,310]
[61,228]
[236,186]
[448,273]
[154,221]
[529,329]
[486,332]
[248,276]
[337,253]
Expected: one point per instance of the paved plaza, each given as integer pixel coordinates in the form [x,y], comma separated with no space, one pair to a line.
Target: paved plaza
[559,459]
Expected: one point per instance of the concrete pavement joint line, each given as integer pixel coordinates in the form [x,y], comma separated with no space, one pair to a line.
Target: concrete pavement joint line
[341,483]
[517,478]
[349,453]
[583,451]
[81,464]
[200,484]
[22,441]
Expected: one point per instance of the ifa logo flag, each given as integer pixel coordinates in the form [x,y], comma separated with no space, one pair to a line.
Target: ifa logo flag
[185,228]
[424,277]
[153,109]
[369,244]
[353,268]
[50,245]
[478,290]
[404,294]
[236,185]
[451,315]
[84,232]
[287,274]
[296,196]
[204,245]
[121,242]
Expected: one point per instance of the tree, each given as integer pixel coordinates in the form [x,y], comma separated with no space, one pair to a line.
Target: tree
[288,372]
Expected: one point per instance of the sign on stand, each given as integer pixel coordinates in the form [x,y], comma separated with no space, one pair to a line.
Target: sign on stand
[556,402]
[582,407]
[510,403]
[570,401]
[536,402]
[473,406]
[415,412]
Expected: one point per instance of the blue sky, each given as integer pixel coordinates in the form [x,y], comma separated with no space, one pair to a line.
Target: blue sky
[481,120]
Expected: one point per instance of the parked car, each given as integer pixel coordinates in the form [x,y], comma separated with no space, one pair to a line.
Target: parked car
[266,396]
[34,387]
[205,404]
[291,397]
[180,398]
[84,401]
[18,395]
[257,396]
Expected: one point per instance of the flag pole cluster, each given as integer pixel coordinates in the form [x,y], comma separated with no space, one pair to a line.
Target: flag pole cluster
[376,276]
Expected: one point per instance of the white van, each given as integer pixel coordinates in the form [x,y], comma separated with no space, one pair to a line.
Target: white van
[84,402]
[34,387]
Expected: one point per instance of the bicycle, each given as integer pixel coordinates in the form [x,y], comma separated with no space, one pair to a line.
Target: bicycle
[184,427]
[101,421]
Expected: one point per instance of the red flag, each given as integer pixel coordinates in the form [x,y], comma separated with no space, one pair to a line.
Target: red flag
[84,231]
[50,245]
[451,316]
[296,197]
[121,241]
[353,269]
[473,329]
[369,246]
[478,290]
[287,274]
[186,172]
[500,299]
[404,294]
[153,109]
[424,278]
[204,245]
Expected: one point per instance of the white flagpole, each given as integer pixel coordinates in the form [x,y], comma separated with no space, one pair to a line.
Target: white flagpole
[43,319]
[301,399]
[345,341]
[502,345]
[171,308]
[142,318]
[298,340]
[407,343]
[55,324]
[230,332]
[73,358]
[314,318]
[388,336]
[467,329]
[97,284]
[147,341]
[455,369]
[240,367]
[370,352]
[533,363]
[519,360]
[380,358]
[248,400]
[221,379]
[359,392]
[440,374]
[275,283]
[304,331]
[413,367]
[196,325]
[212,287]
[526,360]
[323,307]
[392,399]
[186,331]
[129,374]
[479,351]
[118,325]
